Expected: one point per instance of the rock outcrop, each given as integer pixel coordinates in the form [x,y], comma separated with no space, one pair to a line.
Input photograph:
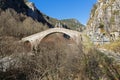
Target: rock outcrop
[26,8]
[104,20]
[36,14]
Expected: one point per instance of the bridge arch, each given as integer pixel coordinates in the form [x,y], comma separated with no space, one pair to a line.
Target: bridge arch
[64,35]
[35,39]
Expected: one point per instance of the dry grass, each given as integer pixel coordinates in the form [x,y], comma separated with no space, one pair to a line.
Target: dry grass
[9,45]
[58,62]
[113,46]
[87,43]
[18,25]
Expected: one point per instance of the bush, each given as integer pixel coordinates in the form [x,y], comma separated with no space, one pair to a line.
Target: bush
[18,25]
[113,46]
[98,66]
[48,62]
[9,45]
[55,62]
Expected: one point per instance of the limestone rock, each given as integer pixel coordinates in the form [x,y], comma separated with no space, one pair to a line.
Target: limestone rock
[105,16]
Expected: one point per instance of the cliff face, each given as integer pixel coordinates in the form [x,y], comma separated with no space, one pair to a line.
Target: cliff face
[104,18]
[36,14]
[26,8]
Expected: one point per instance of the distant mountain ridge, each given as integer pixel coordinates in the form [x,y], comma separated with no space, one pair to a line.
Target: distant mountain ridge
[73,24]
[66,23]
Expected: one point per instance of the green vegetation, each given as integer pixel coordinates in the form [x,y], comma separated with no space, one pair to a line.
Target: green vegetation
[51,20]
[101,25]
[87,43]
[116,12]
[112,19]
[94,9]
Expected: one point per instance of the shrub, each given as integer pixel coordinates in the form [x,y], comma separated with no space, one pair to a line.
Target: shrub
[113,46]
[52,62]
[61,63]
[18,25]
[99,66]
[8,45]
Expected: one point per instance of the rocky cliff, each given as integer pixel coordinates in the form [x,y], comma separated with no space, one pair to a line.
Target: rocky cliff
[24,7]
[104,19]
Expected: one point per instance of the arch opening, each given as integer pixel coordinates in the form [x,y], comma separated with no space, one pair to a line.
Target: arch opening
[57,36]
[56,40]
[27,45]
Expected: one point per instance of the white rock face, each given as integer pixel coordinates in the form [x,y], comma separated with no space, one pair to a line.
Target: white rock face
[35,13]
[32,11]
[106,13]
[31,5]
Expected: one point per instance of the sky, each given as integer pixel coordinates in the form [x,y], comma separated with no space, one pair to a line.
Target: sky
[66,9]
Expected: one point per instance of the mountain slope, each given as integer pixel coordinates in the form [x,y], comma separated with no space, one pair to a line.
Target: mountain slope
[26,8]
[73,24]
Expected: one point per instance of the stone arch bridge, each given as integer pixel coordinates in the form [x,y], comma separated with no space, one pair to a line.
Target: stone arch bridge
[35,39]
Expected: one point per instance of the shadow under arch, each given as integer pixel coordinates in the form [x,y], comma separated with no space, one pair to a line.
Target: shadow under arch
[64,35]
[27,46]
